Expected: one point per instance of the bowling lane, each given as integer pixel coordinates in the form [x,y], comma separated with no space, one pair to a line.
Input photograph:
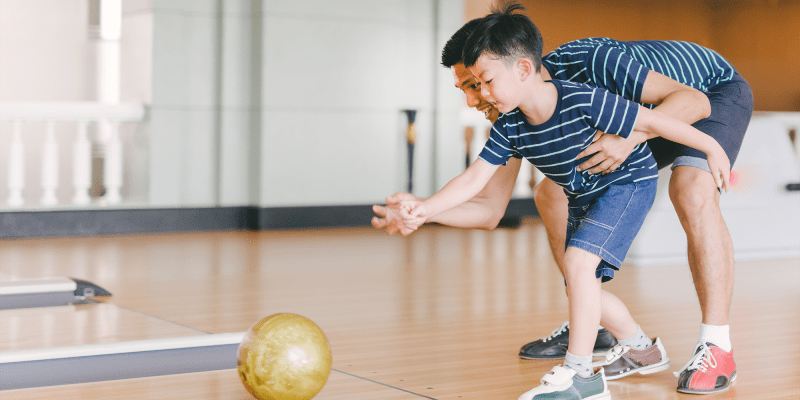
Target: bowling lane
[214,385]
[33,328]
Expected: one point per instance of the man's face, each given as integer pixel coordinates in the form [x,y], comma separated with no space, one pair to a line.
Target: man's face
[467,83]
[497,82]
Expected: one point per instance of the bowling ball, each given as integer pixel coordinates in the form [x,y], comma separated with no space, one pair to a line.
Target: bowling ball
[284,357]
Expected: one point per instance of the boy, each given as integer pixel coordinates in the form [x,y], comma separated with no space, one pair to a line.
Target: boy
[550,123]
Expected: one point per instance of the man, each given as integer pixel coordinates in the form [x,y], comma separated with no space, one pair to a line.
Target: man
[631,69]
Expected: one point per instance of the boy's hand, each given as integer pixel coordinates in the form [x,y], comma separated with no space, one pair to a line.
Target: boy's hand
[720,167]
[388,216]
[413,212]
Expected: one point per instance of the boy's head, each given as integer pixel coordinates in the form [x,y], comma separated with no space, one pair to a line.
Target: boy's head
[504,52]
[505,35]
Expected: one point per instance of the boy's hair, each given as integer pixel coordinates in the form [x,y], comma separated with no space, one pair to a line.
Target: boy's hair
[454,48]
[506,35]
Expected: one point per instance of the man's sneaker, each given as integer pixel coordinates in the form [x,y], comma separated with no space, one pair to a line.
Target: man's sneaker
[710,370]
[564,383]
[555,345]
[622,360]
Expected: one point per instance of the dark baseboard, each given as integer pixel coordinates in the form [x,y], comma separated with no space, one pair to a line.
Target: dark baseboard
[23,224]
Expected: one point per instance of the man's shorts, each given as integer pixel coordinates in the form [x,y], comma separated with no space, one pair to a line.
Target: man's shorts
[608,224]
[731,109]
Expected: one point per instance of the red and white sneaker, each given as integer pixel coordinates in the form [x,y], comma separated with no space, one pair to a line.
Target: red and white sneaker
[710,370]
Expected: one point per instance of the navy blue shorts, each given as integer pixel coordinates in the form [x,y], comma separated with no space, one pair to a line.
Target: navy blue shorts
[731,109]
[608,224]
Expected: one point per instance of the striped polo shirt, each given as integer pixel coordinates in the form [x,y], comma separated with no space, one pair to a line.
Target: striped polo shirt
[553,145]
[621,67]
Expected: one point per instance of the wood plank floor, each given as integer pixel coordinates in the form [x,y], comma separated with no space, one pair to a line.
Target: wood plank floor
[440,314]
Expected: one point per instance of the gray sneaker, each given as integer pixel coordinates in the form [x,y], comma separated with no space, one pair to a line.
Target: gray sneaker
[563,383]
[555,345]
[622,361]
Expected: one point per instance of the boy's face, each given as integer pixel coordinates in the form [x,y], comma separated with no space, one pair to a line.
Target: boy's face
[498,82]
[467,83]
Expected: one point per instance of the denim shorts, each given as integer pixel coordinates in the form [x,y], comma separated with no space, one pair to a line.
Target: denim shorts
[731,109]
[607,225]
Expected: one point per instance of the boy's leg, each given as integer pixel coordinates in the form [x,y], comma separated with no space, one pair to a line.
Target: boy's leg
[551,202]
[584,292]
[577,379]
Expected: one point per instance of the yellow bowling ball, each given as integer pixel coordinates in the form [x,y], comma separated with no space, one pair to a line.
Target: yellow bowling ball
[284,357]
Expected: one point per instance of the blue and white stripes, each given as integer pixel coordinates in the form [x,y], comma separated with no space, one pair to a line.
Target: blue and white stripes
[554,145]
[622,67]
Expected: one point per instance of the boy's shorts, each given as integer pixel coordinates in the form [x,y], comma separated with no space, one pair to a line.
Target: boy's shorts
[609,223]
[731,109]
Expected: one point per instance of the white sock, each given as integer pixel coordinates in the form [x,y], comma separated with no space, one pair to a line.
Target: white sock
[638,341]
[720,335]
[582,365]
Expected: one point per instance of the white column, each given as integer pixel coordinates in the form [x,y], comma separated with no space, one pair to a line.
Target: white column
[50,165]
[112,164]
[82,165]
[16,166]
[108,48]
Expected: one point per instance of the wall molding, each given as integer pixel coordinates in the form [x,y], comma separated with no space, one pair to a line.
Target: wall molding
[59,223]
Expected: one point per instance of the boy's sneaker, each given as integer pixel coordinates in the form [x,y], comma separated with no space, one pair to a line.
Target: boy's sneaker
[710,370]
[564,383]
[555,345]
[622,360]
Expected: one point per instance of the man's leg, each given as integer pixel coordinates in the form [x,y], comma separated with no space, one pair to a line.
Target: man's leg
[696,200]
[551,202]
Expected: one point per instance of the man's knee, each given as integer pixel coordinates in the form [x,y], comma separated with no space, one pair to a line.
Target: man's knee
[692,190]
[547,193]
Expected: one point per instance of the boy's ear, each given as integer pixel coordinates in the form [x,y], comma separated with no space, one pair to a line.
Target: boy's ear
[525,68]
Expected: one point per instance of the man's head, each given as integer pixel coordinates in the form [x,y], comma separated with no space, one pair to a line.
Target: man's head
[503,52]
[451,58]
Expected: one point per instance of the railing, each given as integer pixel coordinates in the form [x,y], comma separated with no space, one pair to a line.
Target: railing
[107,117]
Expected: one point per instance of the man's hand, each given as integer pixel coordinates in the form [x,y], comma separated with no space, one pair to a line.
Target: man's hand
[388,216]
[611,151]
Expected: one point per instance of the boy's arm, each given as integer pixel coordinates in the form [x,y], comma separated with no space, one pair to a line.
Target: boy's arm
[456,192]
[487,208]
[670,97]
[672,129]
[484,211]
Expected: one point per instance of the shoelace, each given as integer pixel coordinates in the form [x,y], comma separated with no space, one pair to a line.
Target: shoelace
[701,360]
[561,329]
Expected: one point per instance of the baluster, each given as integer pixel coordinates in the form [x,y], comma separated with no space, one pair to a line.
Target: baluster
[50,165]
[112,164]
[82,165]
[16,166]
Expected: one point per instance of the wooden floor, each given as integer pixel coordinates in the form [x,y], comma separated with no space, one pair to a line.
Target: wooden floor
[438,315]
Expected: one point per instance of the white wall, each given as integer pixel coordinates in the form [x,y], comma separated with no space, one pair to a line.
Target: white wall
[274,103]
[326,125]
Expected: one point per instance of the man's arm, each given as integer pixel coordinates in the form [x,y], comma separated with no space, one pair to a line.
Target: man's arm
[671,98]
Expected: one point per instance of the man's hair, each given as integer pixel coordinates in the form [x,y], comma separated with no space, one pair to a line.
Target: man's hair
[506,35]
[451,53]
